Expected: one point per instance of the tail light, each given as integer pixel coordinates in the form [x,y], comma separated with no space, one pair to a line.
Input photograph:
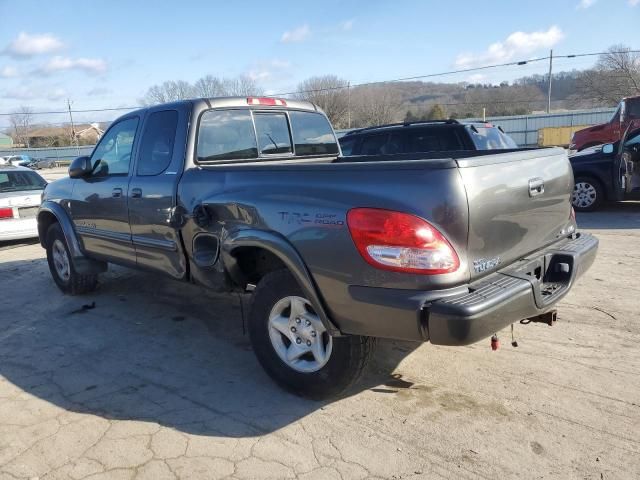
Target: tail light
[6,213]
[266,101]
[400,242]
[572,215]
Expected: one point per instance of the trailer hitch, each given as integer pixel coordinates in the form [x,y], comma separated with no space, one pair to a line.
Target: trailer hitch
[549,318]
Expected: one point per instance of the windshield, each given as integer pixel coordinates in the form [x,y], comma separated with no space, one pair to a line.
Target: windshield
[491,138]
[20,181]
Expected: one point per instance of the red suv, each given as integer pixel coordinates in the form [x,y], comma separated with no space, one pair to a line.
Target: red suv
[628,113]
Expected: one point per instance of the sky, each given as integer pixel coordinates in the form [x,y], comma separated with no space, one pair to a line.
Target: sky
[107,53]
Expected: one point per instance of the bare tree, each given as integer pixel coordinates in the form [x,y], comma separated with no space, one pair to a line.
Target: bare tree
[375,105]
[21,121]
[615,75]
[329,93]
[208,87]
[168,91]
[241,86]
[205,87]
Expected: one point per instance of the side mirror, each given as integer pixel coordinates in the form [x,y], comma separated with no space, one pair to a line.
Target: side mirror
[80,167]
[607,148]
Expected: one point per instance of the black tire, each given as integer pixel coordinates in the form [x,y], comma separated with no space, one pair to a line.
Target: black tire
[347,359]
[596,187]
[75,284]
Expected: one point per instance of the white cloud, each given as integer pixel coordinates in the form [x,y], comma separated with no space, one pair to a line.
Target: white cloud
[26,45]
[8,72]
[633,3]
[476,78]
[586,3]
[57,94]
[346,25]
[268,69]
[20,93]
[92,66]
[298,34]
[517,44]
[99,91]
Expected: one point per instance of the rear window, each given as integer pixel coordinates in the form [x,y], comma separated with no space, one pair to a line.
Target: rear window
[312,134]
[226,135]
[273,133]
[490,138]
[20,181]
[439,139]
[346,145]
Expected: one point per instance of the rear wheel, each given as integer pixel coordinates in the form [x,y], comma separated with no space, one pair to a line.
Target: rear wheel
[587,194]
[61,266]
[293,345]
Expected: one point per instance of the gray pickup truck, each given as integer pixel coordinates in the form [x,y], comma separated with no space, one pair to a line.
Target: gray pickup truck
[252,195]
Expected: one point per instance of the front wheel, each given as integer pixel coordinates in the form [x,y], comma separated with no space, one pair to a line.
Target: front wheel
[293,345]
[587,195]
[61,266]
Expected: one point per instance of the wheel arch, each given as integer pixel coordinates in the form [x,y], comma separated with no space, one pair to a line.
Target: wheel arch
[277,253]
[50,213]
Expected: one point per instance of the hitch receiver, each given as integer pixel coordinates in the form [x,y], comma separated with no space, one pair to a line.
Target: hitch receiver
[549,318]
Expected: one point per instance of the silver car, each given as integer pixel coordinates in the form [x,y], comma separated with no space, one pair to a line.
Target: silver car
[20,194]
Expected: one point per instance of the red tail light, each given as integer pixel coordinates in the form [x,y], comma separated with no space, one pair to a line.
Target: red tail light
[572,215]
[6,213]
[266,101]
[400,242]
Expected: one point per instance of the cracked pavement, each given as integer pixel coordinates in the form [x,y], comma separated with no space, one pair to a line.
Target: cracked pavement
[158,381]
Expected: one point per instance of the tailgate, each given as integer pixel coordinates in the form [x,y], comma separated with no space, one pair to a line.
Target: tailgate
[519,202]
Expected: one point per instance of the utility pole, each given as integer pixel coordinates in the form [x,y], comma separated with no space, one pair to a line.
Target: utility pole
[349,104]
[73,129]
[549,87]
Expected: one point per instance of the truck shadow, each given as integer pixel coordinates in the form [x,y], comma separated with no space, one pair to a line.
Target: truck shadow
[151,349]
[612,216]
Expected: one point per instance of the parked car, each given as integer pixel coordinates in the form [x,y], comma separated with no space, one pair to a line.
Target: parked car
[607,172]
[252,195]
[625,117]
[425,136]
[20,191]
[19,160]
[40,163]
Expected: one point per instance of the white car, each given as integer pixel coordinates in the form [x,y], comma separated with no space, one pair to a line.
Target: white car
[20,193]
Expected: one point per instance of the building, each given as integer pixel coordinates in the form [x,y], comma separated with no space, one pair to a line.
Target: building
[83,134]
[5,141]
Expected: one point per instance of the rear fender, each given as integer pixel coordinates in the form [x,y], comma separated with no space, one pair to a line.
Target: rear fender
[280,247]
[81,263]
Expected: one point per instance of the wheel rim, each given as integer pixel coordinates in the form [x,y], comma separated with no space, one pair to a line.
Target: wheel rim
[584,195]
[61,260]
[298,336]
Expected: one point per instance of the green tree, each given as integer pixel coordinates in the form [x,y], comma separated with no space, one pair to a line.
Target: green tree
[436,113]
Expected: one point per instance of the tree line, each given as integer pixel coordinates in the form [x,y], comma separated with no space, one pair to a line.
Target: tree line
[615,75]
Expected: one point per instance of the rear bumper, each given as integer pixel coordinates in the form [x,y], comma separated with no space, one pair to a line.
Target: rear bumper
[18,228]
[469,313]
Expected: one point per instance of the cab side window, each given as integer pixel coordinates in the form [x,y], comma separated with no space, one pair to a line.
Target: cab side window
[112,156]
[158,138]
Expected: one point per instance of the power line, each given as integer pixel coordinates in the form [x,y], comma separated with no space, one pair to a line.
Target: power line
[363,84]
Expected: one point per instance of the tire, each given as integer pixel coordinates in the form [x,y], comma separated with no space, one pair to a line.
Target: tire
[279,296]
[61,267]
[588,194]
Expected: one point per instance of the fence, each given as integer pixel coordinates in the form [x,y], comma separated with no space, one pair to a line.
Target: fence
[60,154]
[524,128]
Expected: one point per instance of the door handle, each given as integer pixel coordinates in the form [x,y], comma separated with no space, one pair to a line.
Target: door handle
[536,187]
[136,193]
[117,192]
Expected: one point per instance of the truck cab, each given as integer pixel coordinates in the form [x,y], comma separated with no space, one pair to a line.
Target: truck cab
[627,114]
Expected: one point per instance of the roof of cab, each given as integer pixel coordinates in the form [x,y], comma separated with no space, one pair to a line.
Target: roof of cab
[239,102]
